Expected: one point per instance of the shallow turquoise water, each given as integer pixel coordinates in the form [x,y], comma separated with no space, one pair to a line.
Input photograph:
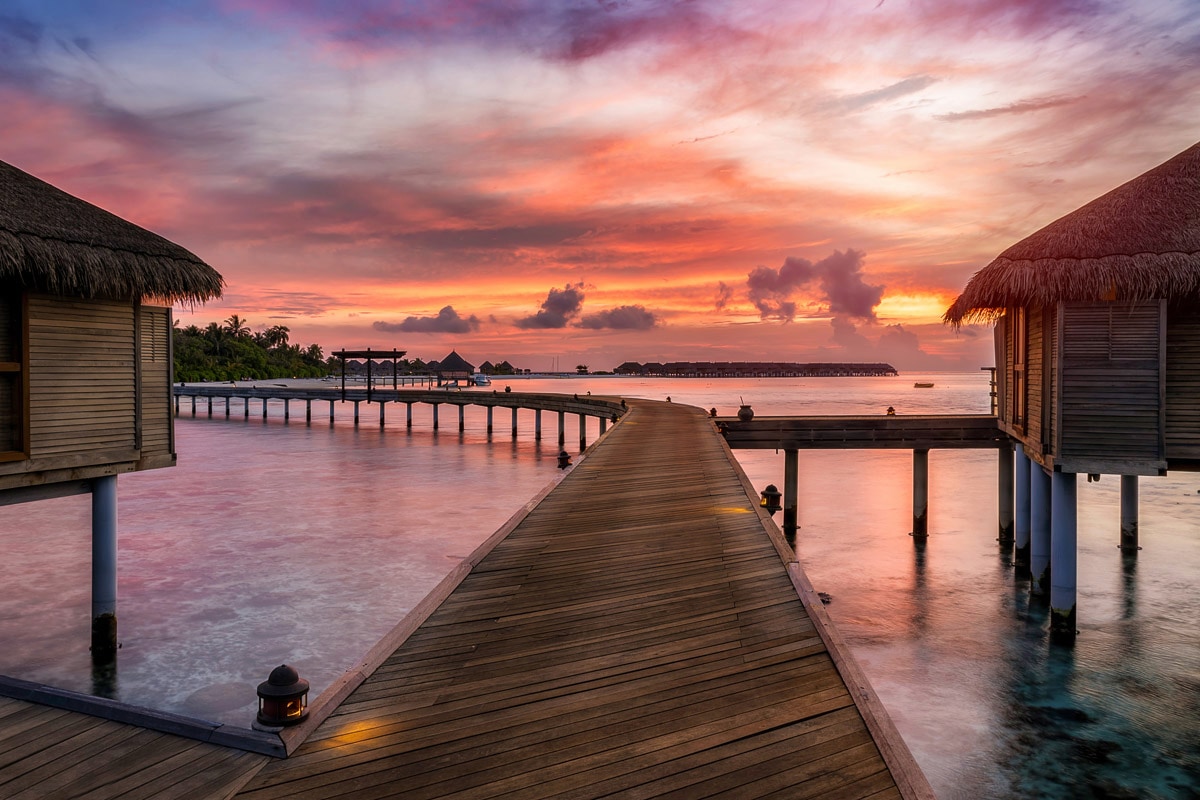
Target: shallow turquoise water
[273,542]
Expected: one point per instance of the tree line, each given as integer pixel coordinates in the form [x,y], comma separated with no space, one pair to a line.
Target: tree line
[231,351]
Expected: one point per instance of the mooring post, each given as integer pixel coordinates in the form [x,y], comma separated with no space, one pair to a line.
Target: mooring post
[490,409]
[462,420]
[537,423]
[1021,519]
[1063,552]
[435,415]
[920,493]
[1005,492]
[791,493]
[104,567]
[562,428]
[1039,530]
[582,432]
[1129,513]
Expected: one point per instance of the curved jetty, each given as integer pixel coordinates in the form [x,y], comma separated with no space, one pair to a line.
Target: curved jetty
[641,629]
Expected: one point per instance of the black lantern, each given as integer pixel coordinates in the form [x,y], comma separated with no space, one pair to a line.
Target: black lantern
[282,698]
[770,499]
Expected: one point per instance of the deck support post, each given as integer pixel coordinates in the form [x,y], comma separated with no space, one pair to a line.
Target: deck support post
[246,407]
[603,424]
[791,493]
[177,405]
[1063,552]
[537,424]
[435,415]
[209,398]
[1005,494]
[920,493]
[1021,518]
[331,412]
[1039,530]
[104,568]
[582,432]
[228,400]
[490,409]
[265,399]
[562,429]
[1129,513]
[408,415]
[382,415]
[356,402]
[514,422]
[308,412]
[462,420]
[287,409]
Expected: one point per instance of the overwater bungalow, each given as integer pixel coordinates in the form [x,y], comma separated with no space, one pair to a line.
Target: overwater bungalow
[1097,337]
[85,355]
[452,368]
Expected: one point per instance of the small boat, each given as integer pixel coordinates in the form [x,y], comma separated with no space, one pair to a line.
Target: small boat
[922,385]
[479,379]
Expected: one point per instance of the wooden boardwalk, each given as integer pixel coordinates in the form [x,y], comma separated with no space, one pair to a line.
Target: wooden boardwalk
[640,633]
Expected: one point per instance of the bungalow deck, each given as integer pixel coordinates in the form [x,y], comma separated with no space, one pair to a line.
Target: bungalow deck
[643,631]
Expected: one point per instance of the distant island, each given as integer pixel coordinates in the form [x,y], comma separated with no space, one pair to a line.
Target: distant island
[754,369]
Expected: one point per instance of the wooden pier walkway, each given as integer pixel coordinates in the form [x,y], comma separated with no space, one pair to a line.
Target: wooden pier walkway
[642,632]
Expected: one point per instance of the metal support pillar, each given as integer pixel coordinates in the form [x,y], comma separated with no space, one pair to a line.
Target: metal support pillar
[1063,552]
[1129,513]
[1021,517]
[791,493]
[562,429]
[1039,529]
[920,493]
[582,432]
[1004,488]
[104,568]
[537,424]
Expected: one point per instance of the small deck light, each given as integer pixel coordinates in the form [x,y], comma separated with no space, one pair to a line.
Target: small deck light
[770,499]
[282,698]
[564,459]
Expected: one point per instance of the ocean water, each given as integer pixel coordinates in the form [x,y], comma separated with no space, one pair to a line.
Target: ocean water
[274,542]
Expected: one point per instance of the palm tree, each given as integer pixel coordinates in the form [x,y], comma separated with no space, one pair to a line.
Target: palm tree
[236,327]
[275,335]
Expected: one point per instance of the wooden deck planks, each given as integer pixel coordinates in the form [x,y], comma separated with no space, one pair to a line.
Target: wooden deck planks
[636,635]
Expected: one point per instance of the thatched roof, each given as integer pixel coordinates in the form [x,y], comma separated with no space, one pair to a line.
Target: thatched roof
[54,242]
[454,363]
[1139,241]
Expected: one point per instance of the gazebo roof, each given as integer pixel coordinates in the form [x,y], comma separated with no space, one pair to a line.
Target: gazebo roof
[454,363]
[54,242]
[1138,241]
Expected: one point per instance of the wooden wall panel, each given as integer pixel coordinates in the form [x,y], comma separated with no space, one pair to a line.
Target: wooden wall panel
[1110,393]
[156,380]
[1183,384]
[81,376]
[1033,371]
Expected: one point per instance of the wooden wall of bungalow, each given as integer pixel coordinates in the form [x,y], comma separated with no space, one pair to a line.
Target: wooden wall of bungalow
[85,388]
[1108,388]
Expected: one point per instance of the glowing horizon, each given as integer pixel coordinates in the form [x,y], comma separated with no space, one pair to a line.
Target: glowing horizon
[638,181]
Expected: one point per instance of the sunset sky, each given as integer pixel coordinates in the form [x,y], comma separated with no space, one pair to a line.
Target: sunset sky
[598,181]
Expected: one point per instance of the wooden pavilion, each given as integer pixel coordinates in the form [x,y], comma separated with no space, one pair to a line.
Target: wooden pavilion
[85,357]
[1097,335]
